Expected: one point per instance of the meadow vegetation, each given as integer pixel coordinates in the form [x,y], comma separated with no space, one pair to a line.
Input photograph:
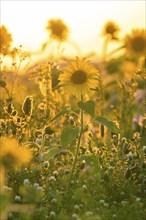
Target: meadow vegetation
[72,129]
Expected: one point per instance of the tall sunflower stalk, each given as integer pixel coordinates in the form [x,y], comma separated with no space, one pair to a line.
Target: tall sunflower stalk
[78,143]
[78,79]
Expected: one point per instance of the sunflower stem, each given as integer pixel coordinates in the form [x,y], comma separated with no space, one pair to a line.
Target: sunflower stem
[114,51]
[78,144]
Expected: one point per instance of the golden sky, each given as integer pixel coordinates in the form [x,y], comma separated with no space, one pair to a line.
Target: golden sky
[26,20]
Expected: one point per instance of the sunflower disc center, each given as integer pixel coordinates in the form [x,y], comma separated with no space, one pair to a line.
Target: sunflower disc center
[79,77]
[138,44]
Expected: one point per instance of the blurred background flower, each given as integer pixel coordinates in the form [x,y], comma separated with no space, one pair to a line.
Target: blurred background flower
[5,40]
[135,42]
[111,29]
[12,154]
[58,29]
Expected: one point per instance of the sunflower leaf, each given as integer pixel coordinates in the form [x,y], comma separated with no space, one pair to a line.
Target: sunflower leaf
[64,111]
[111,125]
[88,107]
[68,135]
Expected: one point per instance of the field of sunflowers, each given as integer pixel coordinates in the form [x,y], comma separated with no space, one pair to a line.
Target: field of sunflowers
[72,129]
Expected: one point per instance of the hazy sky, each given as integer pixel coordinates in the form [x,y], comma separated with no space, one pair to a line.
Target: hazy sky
[26,20]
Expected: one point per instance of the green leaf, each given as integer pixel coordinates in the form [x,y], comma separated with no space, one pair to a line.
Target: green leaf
[88,107]
[51,153]
[68,135]
[64,111]
[111,125]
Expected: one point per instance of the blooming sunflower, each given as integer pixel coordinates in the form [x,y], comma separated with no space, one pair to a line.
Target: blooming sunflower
[79,77]
[12,155]
[111,29]
[135,42]
[5,40]
[58,29]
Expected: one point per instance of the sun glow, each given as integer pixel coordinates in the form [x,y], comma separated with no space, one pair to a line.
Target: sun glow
[26,20]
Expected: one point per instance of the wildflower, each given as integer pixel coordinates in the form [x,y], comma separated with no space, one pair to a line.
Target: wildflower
[39,188]
[55,173]
[12,155]
[76,208]
[101,202]
[89,213]
[138,199]
[82,164]
[46,164]
[17,199]
[54,201]
[84,187]
[124,139]
[36,185]
[7,189]
[26,182]
[79,77]
[71,120]
[5,40]
[106,205]
[52,214]
[58,29]
[74,216]
[111,29]
[135,42]
[123,203]
[52,179]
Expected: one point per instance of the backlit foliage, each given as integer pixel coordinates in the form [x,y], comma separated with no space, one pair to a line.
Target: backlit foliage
[72,130]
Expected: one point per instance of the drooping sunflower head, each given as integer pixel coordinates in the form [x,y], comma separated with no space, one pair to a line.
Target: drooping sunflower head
[111,29]
[79,77]
[135,42]
[58,29]
[5,40]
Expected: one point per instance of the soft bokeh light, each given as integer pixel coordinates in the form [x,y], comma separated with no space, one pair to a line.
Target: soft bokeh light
[26,20]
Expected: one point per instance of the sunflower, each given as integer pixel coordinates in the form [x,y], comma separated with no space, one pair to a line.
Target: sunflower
[79,77]
[111,29]
[12,154]
[58,29]
[5,40]
[135,42]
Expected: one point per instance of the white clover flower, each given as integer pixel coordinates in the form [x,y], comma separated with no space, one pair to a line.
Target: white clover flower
[39,188]
[54,201]
[26,182]
[36,185]
[76,208]
[17,199]
[89,213]
[101,202]
[74,216]
[52,214]
[84,187]
[52,179]
[106,205]
[138,199]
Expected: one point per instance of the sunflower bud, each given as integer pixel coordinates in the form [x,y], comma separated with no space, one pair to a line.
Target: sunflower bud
[27,106]
[9,109]
[48,130]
